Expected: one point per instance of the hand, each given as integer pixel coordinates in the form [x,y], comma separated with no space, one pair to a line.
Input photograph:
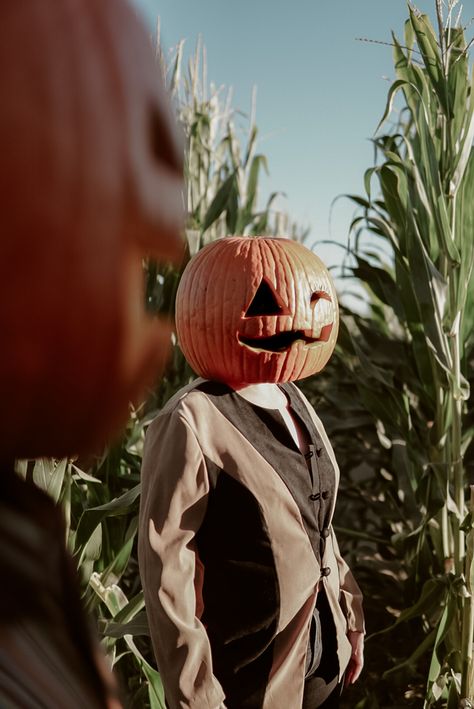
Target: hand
[356,662]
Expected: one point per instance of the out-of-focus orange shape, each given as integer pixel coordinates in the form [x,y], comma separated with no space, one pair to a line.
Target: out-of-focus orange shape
[90,181]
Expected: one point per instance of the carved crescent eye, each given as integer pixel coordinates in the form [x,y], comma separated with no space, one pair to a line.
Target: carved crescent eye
[319,295]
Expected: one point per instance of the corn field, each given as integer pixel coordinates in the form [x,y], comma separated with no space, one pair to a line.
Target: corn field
[409,363]
[395,397]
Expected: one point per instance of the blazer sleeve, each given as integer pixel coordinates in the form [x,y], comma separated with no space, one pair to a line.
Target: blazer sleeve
[351,595]
[174,494]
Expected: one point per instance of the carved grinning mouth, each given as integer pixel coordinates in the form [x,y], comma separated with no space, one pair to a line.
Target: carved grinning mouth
[284,340]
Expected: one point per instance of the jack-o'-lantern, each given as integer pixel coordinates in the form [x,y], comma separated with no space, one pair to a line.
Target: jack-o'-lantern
[256,309]
[90,181]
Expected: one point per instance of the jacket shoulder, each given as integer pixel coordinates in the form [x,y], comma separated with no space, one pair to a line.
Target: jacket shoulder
[182,398]
[186,405]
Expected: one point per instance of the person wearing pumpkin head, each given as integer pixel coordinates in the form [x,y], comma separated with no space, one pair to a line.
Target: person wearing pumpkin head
[250,604]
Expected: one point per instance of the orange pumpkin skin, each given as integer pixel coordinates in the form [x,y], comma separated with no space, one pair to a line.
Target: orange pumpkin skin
[232,328]
[90,181]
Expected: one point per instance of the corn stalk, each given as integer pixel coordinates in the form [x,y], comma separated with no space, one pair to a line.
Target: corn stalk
[223,165]
[422,308]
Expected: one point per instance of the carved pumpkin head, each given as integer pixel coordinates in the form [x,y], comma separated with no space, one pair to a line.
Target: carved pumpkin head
[256,309]
[90,181]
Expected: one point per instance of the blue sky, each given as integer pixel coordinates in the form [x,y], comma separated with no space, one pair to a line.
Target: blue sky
[320,92]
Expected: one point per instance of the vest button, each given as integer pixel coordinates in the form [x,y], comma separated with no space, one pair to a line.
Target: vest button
[325,494]
[325,571]
[315,496]
[325,532]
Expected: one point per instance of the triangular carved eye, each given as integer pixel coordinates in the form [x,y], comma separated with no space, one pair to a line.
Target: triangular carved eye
[264,302]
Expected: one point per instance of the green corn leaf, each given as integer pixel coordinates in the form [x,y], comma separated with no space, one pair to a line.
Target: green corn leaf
[432,597]
[359,200]
[48,474]
[220,202]
[394,187]
[21,467]
[93,516]
[91,550]
[121,554]
[424,647]
[417,89]
[372,371]
[465,148]
[409,37]
[386,229]
[394,88]
[250,145]
[429,48]
[248,212]
[469,563]
[459,86]
[453,696]
[367,180]
[447,618]
[434,188]
[234,225]
[156,693]
[133,607]
[392,408]
[137,626]
[112,595]
[427,288]
[381,283]
[85,477]
[412,171]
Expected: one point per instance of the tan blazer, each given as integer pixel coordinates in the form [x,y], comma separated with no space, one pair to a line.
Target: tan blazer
[208,484]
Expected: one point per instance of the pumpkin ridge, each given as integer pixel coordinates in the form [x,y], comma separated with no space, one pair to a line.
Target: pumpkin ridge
[322,331]
[187,288]
[216,327]
[300,261]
